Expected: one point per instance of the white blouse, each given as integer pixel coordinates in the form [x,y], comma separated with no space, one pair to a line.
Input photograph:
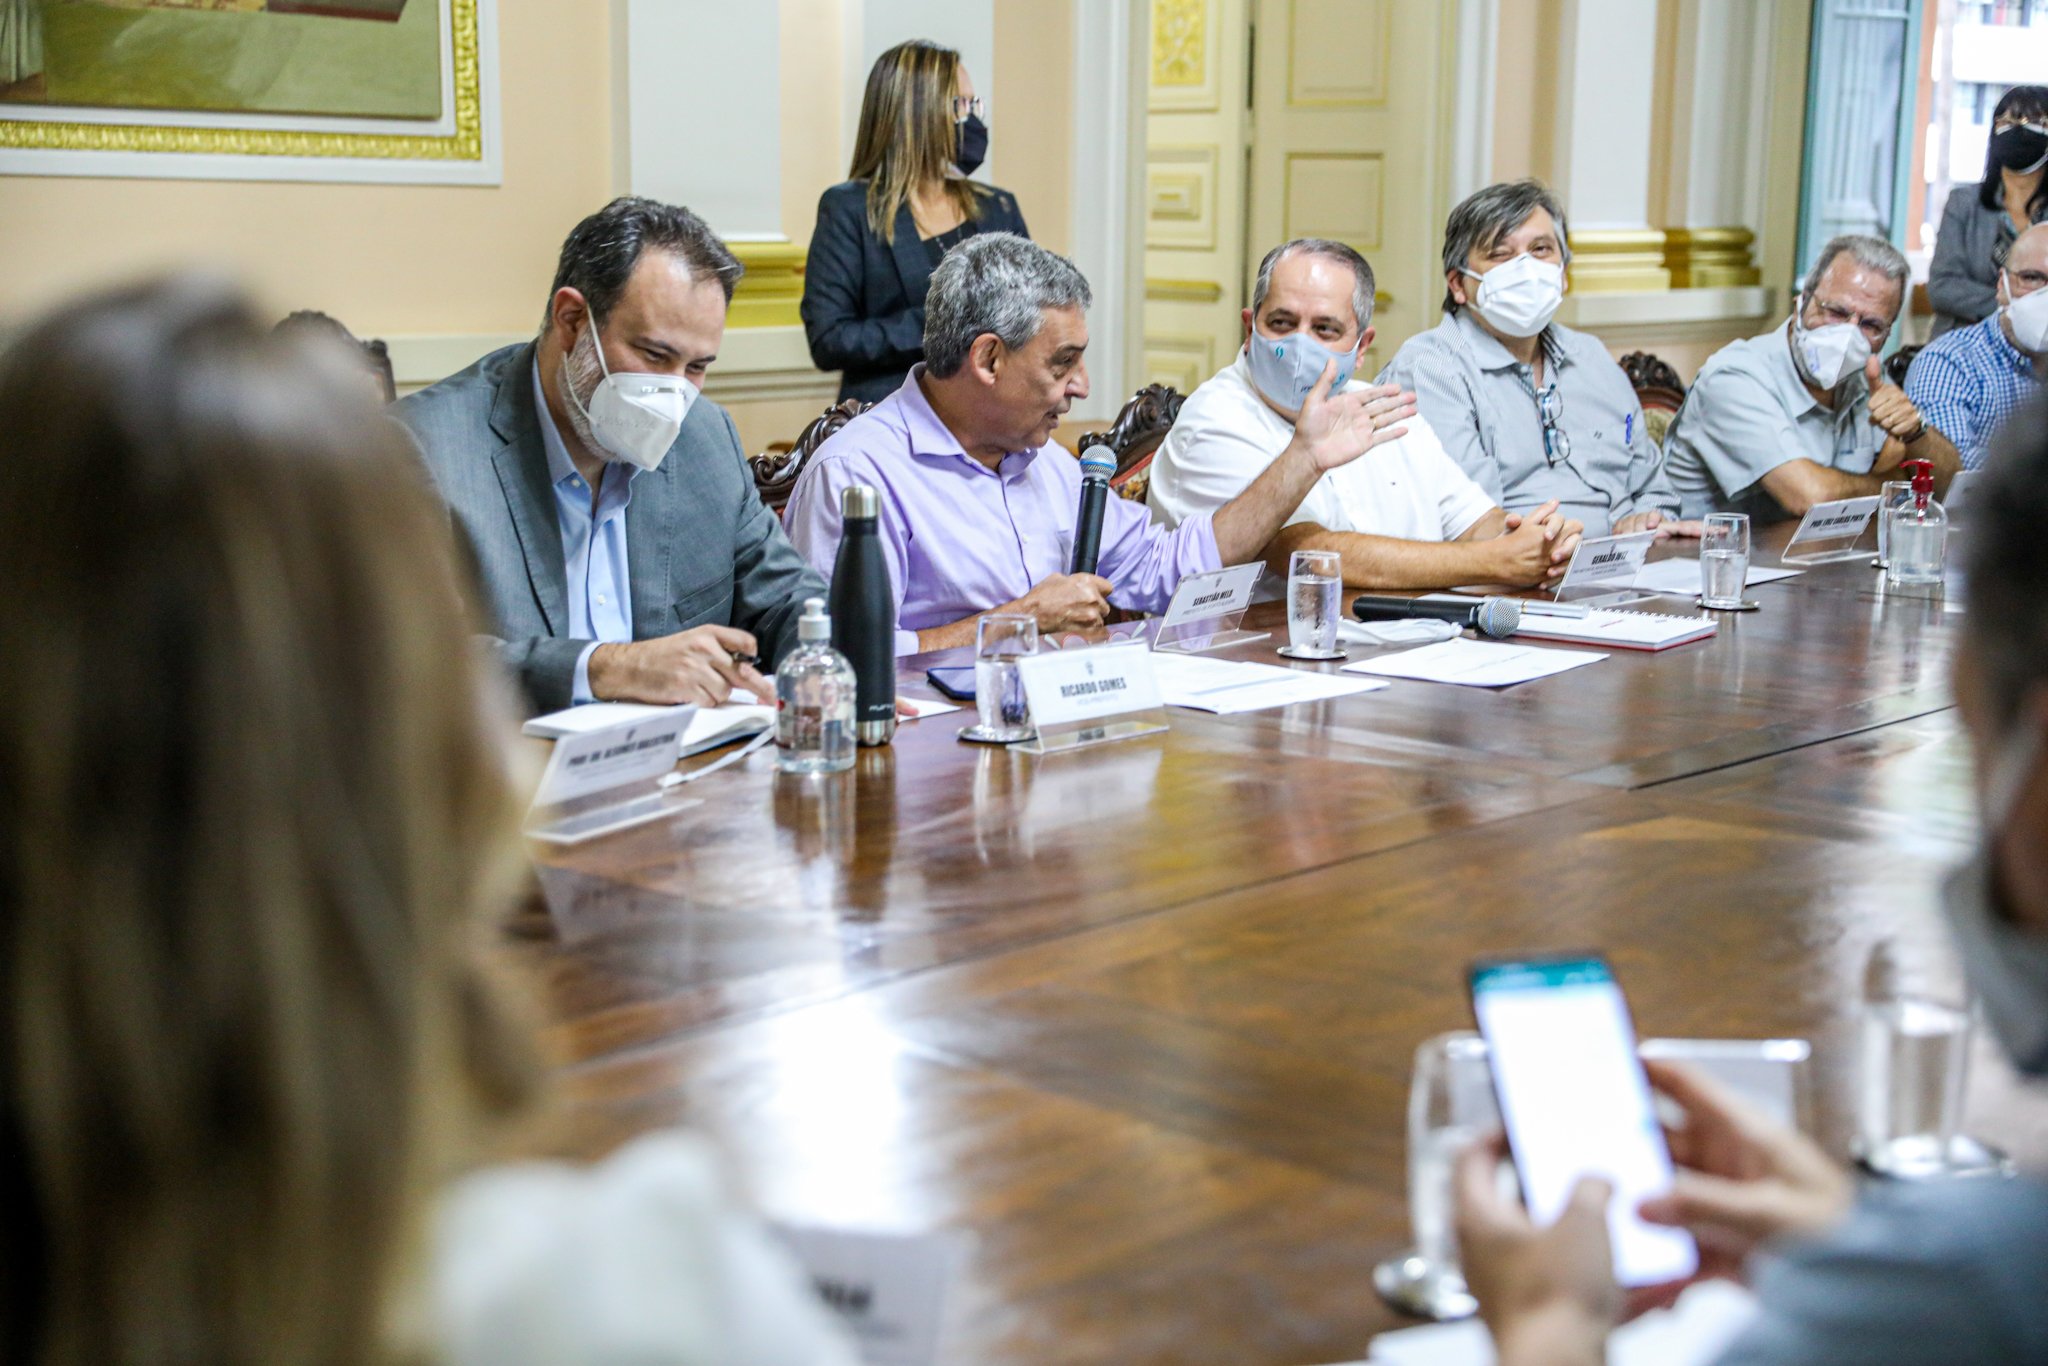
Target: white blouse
[638,1260]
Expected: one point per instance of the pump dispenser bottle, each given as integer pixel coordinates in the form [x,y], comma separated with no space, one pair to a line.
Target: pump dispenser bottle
[1918,540]
[814,698]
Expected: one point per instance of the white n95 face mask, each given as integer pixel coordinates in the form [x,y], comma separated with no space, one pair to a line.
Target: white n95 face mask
[1520,295]
[1286,368]
[635,417]
[2028,315]
[1828,355]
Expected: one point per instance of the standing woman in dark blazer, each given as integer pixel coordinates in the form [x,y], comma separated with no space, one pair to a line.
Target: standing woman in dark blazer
[1962,280]
[908,200]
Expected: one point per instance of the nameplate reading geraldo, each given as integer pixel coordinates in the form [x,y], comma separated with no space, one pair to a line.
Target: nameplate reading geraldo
[1608,559]
[1067,687]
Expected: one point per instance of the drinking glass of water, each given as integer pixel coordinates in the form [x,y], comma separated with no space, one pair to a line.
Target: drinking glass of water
[1003,640]
[1315,598]
[1724,561]
[1893,493]
[1909,1113]
[1450,1105]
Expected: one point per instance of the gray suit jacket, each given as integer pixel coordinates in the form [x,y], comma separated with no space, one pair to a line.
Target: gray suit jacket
[702,548]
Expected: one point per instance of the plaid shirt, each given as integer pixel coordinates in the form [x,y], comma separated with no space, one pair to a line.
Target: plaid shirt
[1968,382]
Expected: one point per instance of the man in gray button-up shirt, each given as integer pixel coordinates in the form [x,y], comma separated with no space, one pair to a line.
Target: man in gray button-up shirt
[1757,435]
[1532,410]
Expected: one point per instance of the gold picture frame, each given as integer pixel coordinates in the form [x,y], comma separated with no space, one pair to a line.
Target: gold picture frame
[463,149]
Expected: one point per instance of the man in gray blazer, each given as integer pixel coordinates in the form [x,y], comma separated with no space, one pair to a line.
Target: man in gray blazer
[623,550]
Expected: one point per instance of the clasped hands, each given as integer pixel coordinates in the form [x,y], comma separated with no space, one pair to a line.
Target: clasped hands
[1548,1294]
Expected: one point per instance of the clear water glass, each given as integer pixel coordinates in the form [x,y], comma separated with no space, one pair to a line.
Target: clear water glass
[1002,640]
[1724,560]
[1315,591]
[1910,1099]
[1450,1106]
[1894,493]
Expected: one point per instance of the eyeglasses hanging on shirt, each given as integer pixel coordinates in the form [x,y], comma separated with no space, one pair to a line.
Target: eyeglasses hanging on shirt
[1557,444]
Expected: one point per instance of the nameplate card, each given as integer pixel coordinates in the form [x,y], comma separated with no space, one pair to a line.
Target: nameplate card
[1204,597]
[1608,560]
[1603,570]
[888,1290]
[1832,525]
[1074,687]
[612,756]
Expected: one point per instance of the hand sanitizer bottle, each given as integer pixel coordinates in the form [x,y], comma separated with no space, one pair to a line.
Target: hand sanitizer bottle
[814,697]
[1919,533]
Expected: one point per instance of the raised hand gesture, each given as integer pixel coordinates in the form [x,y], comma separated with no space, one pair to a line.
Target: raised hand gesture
[1889,406]
[1336,429]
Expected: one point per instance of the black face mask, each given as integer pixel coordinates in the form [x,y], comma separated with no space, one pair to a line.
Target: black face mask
[970,144]
[2020,150]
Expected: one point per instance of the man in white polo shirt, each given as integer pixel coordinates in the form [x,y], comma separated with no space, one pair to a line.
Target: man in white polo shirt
[1405,515]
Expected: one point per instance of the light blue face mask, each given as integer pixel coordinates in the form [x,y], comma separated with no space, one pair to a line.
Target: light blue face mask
[1285,368]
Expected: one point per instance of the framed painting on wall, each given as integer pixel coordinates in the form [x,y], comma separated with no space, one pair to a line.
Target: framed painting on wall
[347,90]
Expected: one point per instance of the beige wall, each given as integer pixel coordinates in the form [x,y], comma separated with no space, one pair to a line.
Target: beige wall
[1031,136]
[811,135]
[385,259]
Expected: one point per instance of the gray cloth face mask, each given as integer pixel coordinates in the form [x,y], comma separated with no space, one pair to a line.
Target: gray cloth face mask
[2007,966]
[1285,369]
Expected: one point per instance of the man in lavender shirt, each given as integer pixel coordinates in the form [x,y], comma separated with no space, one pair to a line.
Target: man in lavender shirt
[978,503]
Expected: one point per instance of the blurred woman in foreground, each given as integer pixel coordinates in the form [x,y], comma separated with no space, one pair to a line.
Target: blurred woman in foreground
[254,809]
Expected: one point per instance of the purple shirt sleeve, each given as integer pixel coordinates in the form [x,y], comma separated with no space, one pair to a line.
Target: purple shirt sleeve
[816,526]
[1145,561]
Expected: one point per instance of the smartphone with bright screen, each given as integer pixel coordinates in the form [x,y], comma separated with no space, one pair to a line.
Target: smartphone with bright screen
[1576,1103]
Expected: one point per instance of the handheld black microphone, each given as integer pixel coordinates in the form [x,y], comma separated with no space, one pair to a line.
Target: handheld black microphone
[1488,616]
[1097,465]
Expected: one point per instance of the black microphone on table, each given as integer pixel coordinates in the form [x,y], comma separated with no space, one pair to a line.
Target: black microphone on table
[1488,616]
[1097,465]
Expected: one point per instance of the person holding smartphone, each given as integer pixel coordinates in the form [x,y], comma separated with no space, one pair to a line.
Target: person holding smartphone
[1906,1274]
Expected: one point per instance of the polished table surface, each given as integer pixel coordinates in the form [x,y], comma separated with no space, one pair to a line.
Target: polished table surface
[1139,1018]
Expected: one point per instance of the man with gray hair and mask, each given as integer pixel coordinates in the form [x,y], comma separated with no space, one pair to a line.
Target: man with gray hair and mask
[620,545]
[979,505]
[1942,1273]
[1803,414]
[1532,410]
[1404,517]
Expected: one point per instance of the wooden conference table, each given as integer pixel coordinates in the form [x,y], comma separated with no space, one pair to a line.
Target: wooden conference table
[1140,1018]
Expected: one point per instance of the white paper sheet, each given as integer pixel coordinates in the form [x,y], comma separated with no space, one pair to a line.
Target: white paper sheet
[1692,1332]
[1228,686]
[1682,576]
[1474,663]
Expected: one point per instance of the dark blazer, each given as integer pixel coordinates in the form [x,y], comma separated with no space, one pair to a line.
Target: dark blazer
[863,306]
[701,547]
[1962,284]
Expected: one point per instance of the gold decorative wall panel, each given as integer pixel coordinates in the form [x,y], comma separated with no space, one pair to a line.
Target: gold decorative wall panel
[1337,52]
[1184,56]
[1336,195]
[1618,260]
[1710,258]
[1180,198]
[1180,359]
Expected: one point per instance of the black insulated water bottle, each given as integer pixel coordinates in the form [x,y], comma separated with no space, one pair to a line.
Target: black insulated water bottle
[864,617]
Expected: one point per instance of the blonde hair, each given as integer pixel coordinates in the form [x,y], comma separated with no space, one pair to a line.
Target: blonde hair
[251,811]
[906,133]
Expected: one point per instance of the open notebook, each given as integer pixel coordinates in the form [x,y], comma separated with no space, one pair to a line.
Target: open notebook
[709,728]
[1621,629]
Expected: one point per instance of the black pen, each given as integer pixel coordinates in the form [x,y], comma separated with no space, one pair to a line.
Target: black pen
[753,661]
